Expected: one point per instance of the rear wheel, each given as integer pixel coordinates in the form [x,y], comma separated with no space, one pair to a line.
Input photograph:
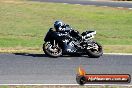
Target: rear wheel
[52,50]
[96,50]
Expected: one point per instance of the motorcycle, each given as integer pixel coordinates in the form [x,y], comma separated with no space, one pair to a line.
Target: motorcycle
[71,44]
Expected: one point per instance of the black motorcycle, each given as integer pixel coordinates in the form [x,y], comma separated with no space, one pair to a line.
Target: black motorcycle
[71,43]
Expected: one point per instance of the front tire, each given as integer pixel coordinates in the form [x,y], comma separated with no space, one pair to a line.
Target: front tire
[95,53]
[52,50]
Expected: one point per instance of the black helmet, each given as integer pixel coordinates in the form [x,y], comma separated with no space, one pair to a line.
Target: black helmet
[58,24]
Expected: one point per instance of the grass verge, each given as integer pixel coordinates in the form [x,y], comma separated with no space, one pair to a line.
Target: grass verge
[65,86]
[107,49]
[24,23]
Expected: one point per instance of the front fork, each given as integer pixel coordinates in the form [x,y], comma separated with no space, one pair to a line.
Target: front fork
[93,45]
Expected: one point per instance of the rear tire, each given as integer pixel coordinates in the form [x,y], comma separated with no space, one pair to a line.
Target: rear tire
[95,53]
[49,51]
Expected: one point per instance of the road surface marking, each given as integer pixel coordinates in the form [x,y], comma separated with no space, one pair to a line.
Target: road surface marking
[104,6]
[130,8]
[77,4]
[68,84]
[118,53]
[120,7]
[65,3]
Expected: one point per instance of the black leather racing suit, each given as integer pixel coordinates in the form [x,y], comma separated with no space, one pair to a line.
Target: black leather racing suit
[66,31]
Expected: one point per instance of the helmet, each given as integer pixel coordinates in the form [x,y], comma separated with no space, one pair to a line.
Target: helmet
[58,24]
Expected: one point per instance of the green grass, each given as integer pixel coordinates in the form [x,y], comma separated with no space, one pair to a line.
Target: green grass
[25,23]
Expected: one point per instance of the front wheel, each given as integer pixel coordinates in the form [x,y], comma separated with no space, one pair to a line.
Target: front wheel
[96,50]
[52,50]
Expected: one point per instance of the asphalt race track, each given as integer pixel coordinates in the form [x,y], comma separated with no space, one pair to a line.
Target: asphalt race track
[24,68]
[89,2]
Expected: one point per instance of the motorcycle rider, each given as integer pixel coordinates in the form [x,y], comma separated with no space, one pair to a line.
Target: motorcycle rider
[61,27]
[64,29]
